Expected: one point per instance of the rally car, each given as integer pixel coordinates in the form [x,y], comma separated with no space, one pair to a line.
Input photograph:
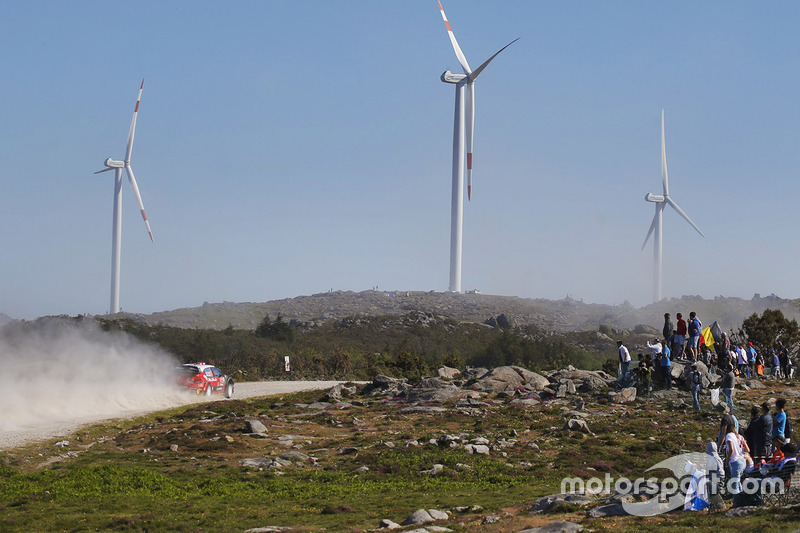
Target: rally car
[201,378]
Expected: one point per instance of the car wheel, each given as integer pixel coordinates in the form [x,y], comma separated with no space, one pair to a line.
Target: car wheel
[208,389]
[229,390]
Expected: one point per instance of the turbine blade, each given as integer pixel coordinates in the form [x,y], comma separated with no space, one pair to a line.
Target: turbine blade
[470,127]
[675,206]
[131,132]
[457,49]
[664,176]
[474,74]
[650,231]
[138,196]
[104,170]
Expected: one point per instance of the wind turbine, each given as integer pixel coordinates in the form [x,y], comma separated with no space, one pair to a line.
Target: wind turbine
[463,130]
[661,201]
[116,233]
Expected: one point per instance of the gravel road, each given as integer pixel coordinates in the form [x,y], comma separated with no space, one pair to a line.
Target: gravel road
[71,420]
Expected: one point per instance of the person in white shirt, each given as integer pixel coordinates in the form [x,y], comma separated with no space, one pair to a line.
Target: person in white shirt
[656,347]
[624,361]
[736,446]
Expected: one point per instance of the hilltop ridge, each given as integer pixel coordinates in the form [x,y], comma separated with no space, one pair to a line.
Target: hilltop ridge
[554,315]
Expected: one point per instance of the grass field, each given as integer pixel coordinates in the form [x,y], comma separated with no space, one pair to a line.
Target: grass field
[181,470]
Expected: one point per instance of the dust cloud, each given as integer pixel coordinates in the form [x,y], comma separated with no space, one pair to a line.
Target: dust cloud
[61,372]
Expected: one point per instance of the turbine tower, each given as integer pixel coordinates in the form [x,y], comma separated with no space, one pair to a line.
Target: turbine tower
[116,232]
[661,201]
[463,130]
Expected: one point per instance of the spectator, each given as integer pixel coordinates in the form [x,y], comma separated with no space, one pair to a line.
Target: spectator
[679,338]
[727,418]
[696,384]
[624,363]
[776,365]
[762,433]
[666,371]
[666,331]
[734,456]
[741,358]
[694,335]
[715,470]
[779,419]
[755,414]
[728,383]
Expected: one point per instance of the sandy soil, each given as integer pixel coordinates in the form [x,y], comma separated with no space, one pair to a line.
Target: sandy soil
[45,430]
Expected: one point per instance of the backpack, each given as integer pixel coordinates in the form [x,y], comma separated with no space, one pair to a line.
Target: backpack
[787,429]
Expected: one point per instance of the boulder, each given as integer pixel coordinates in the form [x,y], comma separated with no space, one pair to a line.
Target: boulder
[576,424]
[420,516]
[340,391]
[614,509]
[677,370]
[593,384]
[548,503]
[255,427]
[474,373]
[477,449]
[503,322]
[626,395]
[386,386]
[507,378]
[433,390]
[559,526]
[447,372]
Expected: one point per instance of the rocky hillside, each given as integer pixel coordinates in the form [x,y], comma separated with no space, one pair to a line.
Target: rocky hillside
[553,315]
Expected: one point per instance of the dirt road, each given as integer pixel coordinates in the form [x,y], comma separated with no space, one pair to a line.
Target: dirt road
[55,425]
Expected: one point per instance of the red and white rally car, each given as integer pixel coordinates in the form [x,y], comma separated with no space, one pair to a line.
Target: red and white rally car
[204,379]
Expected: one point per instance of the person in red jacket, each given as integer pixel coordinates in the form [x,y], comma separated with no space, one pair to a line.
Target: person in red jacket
[679,339]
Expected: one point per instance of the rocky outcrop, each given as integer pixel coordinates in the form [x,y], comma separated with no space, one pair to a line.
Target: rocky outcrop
[509,378]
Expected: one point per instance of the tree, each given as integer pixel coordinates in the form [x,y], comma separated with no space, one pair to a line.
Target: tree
[767,330]
[277,330]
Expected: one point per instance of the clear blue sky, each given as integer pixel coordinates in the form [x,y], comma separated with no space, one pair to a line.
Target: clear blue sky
[287,148]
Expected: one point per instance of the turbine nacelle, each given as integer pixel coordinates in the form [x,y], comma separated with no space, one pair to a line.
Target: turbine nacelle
[112,163]
[657,198]
[449,77]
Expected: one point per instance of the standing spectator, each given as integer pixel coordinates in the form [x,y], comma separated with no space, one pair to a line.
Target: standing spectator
[666,331]
[624,363]
[728,383]
[679,338]
[783,357]
[779,419]
[696,383]
[727,418]
[694,335]
[666,371]
[741,361]
[734,444]
[751,358]
[762,432]
[759,364]
[776,365]
[752,427]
